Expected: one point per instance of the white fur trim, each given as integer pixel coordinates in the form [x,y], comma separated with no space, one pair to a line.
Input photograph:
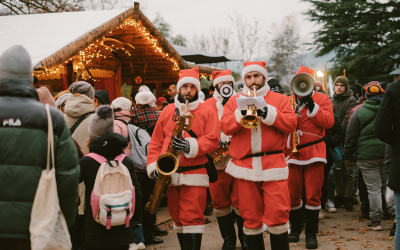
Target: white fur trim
[279,229]
[263,91]
[238,115]
[194,148]
[315,110]
[191,80]
[144,97]
[254,67]
[297,207]
[122,103]
[313,208]
[193,229]
[274,174]
[253,231]
[178,229]
[227,78]
[150,169]
[198,180]
[220,109]
[237,211]
[181,106]
[312,160]
[222,212]
[218,96]
[271,115]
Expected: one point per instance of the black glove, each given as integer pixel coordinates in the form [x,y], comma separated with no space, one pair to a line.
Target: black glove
[263,113]
[155,175]
[181,145]
[309,102]
[223,145]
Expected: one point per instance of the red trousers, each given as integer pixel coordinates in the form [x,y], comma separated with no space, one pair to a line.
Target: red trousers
[311,177]
[264,202]
[186,205]
[221,192]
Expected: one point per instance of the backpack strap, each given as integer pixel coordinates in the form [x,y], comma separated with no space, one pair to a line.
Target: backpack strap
[100,159]
[78,122]
[126,123]
[120,157]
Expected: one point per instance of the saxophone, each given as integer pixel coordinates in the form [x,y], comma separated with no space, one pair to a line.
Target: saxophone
[294,135]
[167,163]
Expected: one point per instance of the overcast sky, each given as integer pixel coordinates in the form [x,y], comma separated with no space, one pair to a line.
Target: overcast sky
[188,16]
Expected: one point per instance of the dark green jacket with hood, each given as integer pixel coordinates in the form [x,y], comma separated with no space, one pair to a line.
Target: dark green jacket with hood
[23,151]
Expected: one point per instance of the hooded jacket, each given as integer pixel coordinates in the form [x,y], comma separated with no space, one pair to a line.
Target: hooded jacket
[23,148]
[96,235]
[344,103]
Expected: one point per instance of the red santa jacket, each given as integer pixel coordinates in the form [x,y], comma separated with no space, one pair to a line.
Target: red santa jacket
[216,104]
[311,127]
[205,126]
[270,136]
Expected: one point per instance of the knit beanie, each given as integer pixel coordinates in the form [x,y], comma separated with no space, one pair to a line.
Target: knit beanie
[102,95]
[15,63]
[62,99]
[83,88]
[121,103]
[343,80]
[102,122]
[373,89]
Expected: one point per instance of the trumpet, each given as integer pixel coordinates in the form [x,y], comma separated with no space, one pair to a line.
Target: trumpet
[167,163]
[250,120]
[295,138]
[221,154]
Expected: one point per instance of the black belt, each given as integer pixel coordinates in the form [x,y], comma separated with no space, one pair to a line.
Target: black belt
[263,154]
[310,144]
[189,168]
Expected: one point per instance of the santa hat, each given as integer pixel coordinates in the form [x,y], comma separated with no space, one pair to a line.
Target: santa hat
[222,76]
[257,66]
[305,70]
[189,76]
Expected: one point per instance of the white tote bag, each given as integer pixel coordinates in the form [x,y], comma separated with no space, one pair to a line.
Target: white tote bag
[48,228]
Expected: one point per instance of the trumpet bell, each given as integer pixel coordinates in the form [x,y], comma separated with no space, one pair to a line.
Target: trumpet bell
[302,84]
[167,164]
[250,121]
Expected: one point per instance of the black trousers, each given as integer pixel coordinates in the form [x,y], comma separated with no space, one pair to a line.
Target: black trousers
[149,220]
[324,189]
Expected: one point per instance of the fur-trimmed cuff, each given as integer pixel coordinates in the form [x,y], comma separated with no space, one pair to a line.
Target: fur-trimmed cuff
[150,169]
[222,212]
[271,115]
[297,207]
[194,148]
[178,229]
[279,229]
[253,231]
[193,229]
[313,208]
[238,115]
[314,112]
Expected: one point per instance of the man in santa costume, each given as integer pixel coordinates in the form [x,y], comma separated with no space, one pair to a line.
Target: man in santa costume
[222,190]
[258,162]
[306,167]
[187,191]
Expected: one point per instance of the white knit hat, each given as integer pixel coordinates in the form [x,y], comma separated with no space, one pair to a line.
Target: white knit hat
[121,103]
[145,97]
[143,88]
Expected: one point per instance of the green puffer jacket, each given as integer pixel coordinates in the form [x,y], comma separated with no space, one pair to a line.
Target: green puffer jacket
[23,151]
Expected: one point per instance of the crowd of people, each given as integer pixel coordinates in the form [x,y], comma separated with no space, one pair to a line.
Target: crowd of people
[290,160]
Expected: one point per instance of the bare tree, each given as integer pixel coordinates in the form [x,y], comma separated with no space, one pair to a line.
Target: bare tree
[19,7]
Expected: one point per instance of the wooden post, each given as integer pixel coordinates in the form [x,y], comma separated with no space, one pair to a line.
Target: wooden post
[344,73]
[117,82]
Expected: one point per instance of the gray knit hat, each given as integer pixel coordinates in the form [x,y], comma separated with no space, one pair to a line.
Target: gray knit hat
[62,99]
[83,88]
[15,63]
[102,122]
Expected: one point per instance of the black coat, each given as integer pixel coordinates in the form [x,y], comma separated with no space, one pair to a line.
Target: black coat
[95,234]
[333,137]
[387,129]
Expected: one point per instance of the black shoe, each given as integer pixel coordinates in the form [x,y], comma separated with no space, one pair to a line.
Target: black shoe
[208,211]
[241,235]
[295,217]
[193,241]
[393,229]
[312,229]
[207,221]
[279,241]
[348,203]
[255,242]
[339,200]
[159,232]
[354,200]
[149,238]
[181,238]
[228,232]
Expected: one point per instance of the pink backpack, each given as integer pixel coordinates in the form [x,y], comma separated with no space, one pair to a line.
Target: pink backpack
[113,195]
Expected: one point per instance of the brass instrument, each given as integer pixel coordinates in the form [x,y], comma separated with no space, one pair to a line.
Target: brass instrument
[294,135]
[250,120]
[221,154]
[167,163]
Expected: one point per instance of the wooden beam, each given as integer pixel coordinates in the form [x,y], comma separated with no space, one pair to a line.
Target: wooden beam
[117,83]
[50,82]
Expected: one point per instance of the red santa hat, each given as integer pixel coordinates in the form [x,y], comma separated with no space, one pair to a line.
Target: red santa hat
[305,70]
[189,76]
[257,66]
[222,76]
